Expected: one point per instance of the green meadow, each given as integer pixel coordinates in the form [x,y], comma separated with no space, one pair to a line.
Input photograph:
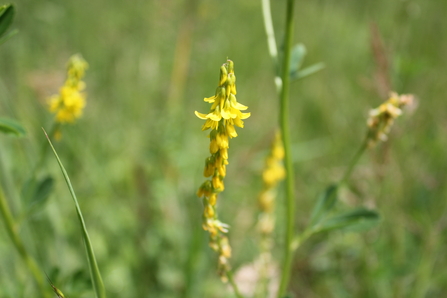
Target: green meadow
[136,156]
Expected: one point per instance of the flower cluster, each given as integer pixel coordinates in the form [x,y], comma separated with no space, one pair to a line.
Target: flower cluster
[382,118]
[224,115]
[70,102]
[272,175]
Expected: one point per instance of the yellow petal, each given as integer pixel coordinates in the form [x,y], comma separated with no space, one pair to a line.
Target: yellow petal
[245,115]
[201,116]
[210,99]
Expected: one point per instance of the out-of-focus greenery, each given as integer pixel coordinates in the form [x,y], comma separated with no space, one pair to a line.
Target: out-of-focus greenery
[136,157]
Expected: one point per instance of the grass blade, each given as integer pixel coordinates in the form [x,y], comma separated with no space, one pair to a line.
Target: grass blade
[94,270]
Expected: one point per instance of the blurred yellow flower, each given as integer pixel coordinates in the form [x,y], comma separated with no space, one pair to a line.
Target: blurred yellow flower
[382,118]
[69,104]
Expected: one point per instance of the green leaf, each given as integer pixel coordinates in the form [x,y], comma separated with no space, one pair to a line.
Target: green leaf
[297,57]
[299,74]
[6,16]
[10,126]
[355,220]
[38,192]
[98,285]
[324,204]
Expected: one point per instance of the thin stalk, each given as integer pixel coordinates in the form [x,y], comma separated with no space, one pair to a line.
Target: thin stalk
[11,228]
[269,30]
[284,123]
[271,41]
[233,284]
[354,161]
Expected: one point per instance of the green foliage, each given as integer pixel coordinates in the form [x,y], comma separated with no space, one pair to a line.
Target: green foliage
[6,17]
[37,193]
[325,219]
[359,219]
[296,61]
[10,126]
[324,204]
[94,270]
[136,163]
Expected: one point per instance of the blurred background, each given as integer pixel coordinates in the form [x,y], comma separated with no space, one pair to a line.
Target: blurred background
[136,156]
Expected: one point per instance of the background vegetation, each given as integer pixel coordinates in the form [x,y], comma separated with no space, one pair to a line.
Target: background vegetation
[136,157]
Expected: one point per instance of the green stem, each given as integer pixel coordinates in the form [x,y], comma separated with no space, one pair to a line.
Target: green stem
[271,41]
[233,284]
[11,228]
[268,23]
[354,161]
[284,123]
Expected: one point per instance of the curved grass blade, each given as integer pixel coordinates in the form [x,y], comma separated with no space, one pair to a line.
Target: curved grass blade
[94,270]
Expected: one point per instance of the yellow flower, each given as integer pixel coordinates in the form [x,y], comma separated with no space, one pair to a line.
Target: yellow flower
[382,118]
[225,113]
[69,104]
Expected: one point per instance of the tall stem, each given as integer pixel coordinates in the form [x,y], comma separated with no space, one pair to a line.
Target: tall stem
[284,123]
[11,228]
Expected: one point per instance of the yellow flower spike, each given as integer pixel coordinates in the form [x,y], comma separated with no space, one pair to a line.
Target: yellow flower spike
[220,95]
[231,131]
[224,114]
[235,104]
[226,110]
[224,153]
[231,87]
[224,228]
[238,122]
[209,211]
[225,247]
[205,190]
[217,183]
[222,140]
[215,115]
[210,124]
[382,118]
[230,65]
[214,146]
[223,75]
[209,167]
[76,67]
[69,104]
[212,199]
[222,171]
[273,173]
